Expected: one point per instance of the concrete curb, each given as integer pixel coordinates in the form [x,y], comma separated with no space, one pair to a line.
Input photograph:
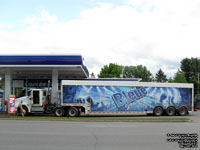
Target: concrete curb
[82,120]
[72,120]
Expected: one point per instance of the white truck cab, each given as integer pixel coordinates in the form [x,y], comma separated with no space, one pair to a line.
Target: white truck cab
[33,102]
[36,102]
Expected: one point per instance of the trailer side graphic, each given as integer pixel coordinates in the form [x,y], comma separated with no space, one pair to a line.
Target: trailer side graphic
[127,98]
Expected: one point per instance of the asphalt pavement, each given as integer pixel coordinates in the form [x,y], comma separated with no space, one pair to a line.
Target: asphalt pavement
[56,135]
[64,135]
[195,116]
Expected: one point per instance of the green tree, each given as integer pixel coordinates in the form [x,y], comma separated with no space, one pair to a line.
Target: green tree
[137,72]
[171,80]
[111,71]
[160,76]
[180,77]
[191,68]
[129,71]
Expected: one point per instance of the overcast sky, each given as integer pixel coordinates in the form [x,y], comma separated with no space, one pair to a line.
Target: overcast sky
[154,33]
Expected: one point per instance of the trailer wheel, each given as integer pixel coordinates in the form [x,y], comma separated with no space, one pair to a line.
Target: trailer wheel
[182,111]
[72,112]
[158,111]
[171,111]
[59,112]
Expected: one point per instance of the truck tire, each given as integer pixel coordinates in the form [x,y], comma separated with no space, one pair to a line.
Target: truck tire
[171,111]
[26,110]
[59,112]
[72,112]
[158,111]
[182,111]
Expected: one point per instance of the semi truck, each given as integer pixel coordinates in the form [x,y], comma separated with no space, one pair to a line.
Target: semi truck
[89,97]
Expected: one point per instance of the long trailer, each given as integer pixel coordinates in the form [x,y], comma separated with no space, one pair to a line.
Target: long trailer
[124,97]
[113,96]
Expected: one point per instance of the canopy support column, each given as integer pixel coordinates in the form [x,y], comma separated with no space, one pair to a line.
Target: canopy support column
[8,79]
[54,91]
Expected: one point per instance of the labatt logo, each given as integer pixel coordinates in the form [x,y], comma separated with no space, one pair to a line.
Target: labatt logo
[126,97]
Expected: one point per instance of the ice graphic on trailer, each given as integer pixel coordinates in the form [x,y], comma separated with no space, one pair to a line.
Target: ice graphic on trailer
[127,98]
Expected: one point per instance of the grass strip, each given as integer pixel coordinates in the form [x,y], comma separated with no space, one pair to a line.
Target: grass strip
[97,118]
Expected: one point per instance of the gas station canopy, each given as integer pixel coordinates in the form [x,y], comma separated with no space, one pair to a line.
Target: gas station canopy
[19,70]
[40,66]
